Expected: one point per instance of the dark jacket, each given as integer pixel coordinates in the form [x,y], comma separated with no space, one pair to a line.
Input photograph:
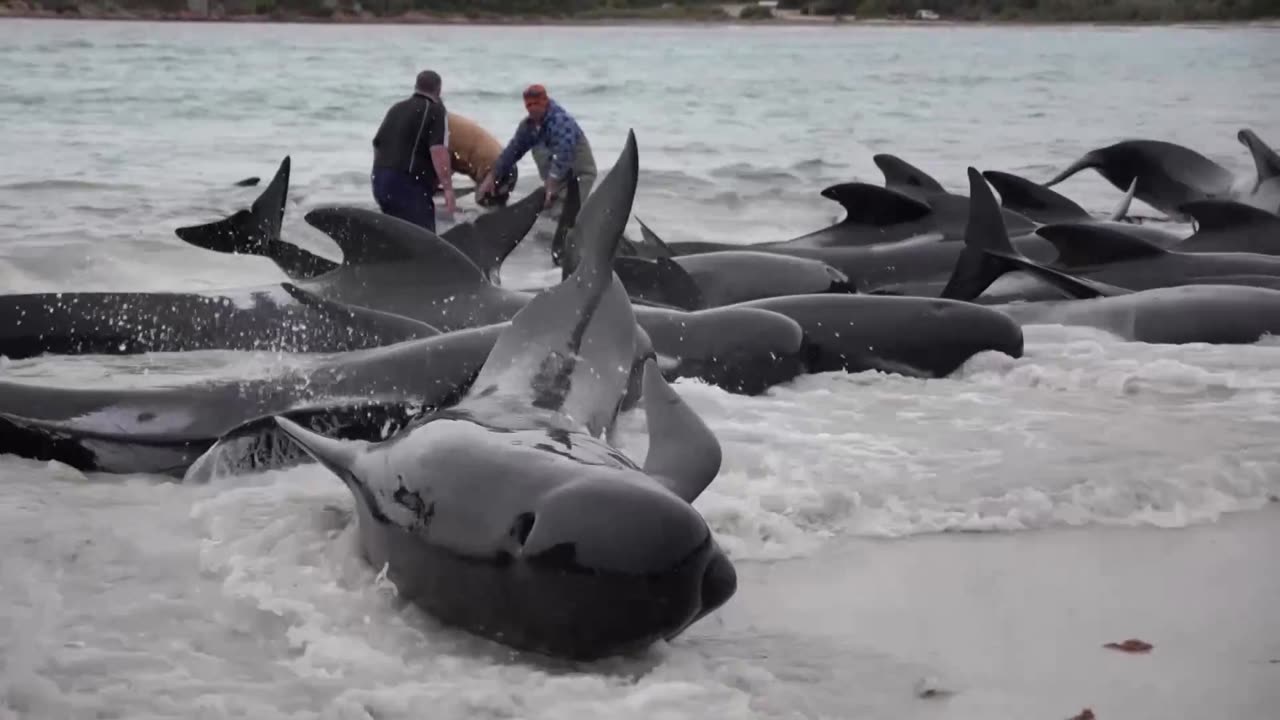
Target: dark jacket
[408,131]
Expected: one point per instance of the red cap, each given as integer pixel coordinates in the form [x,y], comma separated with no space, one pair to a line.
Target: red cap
[535,95]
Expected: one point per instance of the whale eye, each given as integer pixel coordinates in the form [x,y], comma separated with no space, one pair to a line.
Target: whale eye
[521,528]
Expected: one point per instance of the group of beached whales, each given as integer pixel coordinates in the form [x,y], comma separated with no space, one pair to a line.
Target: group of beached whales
[473,423]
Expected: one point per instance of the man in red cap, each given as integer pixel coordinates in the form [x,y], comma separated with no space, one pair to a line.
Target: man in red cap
[558,144]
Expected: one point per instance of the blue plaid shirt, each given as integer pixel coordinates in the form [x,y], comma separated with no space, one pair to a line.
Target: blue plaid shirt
[559,132]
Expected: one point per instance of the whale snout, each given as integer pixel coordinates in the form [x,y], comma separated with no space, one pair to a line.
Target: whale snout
[742,349]
[615,527]
[612,566]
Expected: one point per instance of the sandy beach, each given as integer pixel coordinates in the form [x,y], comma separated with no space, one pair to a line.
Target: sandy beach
[1012,625]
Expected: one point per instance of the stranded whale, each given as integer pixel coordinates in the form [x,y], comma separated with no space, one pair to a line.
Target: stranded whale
[506,516]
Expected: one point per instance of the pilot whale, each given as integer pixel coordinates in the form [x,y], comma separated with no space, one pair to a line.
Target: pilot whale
[280,318]
[485,240]
[395,271]
[1192,313]
[1169,175]
[506,516]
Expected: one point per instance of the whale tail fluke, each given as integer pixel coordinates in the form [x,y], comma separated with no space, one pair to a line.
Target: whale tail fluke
[1090,159]
[256,231]
[989,253]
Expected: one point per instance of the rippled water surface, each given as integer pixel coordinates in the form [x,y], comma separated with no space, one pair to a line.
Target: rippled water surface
[133,598]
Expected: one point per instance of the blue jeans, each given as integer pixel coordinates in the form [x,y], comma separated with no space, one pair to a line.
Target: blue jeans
[399,195]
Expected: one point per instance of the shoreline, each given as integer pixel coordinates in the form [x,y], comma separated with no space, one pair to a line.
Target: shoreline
[419,18]
[1015,625]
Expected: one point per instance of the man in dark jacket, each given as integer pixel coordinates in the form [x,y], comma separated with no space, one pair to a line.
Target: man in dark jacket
[411,155]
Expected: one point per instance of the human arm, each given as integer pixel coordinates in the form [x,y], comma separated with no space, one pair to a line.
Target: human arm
[382,128]
[519,144]
[436,136]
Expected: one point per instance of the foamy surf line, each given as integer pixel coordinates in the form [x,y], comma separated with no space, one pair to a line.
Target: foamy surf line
[247,598]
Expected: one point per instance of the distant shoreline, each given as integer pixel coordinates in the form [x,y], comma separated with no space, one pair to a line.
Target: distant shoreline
[418,18]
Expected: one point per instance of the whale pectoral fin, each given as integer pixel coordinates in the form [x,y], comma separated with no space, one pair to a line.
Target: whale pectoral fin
[1122,208]
[873,205]
[1265,160]
[658,246]
[662,281]
[260,444]
[562,253]
[490,238]
[684,455]
[369,237]
[416,328]
[1223,215]
[1080,244]
[339,456]
[249,231]
[571,345]
[900,173]
[1035,201]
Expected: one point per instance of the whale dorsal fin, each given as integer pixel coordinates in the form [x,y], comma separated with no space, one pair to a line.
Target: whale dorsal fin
[571,347]
[651,239]
[902,175]
[368,237]
[866,204]
[1080,244]
[659,280]
[989,253]
[1033,200]
[490,238]
[1265,160]
[684,455]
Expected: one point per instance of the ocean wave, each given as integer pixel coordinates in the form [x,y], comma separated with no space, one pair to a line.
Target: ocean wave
[67,185]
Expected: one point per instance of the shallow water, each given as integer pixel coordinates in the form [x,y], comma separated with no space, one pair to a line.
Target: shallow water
[129,598]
